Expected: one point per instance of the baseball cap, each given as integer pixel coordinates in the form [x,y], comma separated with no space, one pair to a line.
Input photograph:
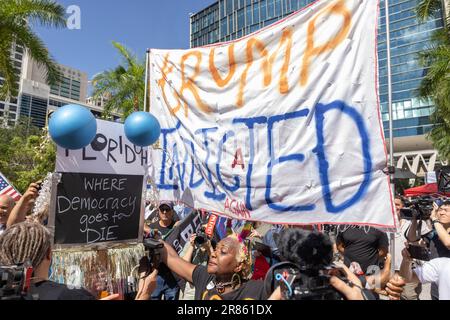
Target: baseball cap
[166,203]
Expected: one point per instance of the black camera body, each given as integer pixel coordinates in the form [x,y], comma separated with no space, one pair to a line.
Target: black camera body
[419,252]
[308,267]
[201,237]
[297,283]
[153,253]
[420,208]
[15,282]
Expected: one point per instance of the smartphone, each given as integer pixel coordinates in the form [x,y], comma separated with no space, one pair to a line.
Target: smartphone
[419,252]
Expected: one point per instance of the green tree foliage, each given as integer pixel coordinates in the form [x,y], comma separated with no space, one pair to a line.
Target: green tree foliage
[124,85]
[16,20]
[436,83]
[27,154]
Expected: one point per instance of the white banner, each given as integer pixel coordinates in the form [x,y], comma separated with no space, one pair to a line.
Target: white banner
[281,126]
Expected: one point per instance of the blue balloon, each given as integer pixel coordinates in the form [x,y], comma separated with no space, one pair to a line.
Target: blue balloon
[72,127]
[142,129]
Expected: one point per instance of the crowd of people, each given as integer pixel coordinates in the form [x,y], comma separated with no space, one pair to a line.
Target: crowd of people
[236,268]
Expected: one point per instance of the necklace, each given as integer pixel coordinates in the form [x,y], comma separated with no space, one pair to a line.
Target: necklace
[221,286]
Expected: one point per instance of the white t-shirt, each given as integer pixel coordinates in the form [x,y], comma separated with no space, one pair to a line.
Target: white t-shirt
[436,271]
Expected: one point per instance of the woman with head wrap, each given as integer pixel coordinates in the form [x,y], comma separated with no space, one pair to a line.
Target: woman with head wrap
[227,275]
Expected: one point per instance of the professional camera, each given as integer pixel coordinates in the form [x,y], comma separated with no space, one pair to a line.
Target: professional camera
[15,281]
[306,272]
[420,208]
[201,237]
[153,253]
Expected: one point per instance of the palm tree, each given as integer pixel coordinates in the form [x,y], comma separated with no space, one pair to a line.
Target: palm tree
[124,86]
[427,8]
[16,18]
[436,83]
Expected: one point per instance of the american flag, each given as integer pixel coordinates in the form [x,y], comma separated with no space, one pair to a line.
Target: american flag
[6,188]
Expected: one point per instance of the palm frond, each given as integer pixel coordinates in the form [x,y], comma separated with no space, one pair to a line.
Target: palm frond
[43,12]
[427,8]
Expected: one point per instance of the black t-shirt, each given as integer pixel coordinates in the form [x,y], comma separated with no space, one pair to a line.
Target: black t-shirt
[48,290]
[205,288]
[163,271]
[164,230]
[362,247]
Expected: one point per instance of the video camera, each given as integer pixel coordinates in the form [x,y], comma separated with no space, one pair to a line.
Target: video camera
[306,272]
[200,237]
[420,208]
[15,281]
[152,254]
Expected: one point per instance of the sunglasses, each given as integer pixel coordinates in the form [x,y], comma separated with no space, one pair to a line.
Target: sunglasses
[165,208]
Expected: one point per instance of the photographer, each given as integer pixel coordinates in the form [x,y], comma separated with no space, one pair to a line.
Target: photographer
[225,277]
[167,284]
[438,239]
[412,290]
[435,271]
[31,242]
[309,274]
[198,254]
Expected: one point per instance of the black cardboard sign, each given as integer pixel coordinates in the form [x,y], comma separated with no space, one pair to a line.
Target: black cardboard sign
[97,208]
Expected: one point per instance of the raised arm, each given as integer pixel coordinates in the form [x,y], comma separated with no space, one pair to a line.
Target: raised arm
[23,206]
[439,227]
[190,249]
[181,267]
[406,268]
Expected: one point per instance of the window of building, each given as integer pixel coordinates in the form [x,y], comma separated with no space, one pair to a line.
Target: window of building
[230,24]
[229,6]
[263,13]
[221,8]
[270,9]
[240,19]
[278,10]
[256,12]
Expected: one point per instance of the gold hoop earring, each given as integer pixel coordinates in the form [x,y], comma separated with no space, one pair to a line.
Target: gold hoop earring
[236,280]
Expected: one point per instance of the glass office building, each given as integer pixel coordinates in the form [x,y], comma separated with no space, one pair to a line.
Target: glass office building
[231,19]
[9,108]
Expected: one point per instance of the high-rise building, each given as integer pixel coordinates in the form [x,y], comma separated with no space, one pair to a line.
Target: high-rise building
[9,108]
[227,20]
[36,100]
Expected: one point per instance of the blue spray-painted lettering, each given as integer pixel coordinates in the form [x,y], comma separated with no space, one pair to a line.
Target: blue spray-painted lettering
[250,123]
[274,161]
[181,167]
[162,184]
[199,182]
[214,195]
[236,186]
[322,160]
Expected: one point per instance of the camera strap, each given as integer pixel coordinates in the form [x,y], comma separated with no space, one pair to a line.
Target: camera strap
[418,232]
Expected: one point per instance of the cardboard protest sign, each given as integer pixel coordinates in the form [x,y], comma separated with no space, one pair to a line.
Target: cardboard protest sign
[281,126]
[181,234]
[98,197]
